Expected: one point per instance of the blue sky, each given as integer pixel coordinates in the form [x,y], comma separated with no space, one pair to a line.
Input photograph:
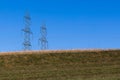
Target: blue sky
[71,24]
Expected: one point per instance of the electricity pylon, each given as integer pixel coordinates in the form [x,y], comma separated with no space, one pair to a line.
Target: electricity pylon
[43,38]
[27,32]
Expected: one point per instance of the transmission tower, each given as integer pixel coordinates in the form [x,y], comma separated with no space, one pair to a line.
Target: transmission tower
[27,32]
[43,39]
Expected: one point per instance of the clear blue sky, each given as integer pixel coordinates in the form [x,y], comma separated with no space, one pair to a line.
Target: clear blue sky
[71,24]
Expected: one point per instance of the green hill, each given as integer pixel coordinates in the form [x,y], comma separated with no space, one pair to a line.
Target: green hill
[61,65]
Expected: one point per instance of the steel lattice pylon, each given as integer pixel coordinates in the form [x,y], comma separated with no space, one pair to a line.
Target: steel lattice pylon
[43,39]
[27,32]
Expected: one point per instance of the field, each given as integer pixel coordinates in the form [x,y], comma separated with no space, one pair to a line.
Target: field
[61,65]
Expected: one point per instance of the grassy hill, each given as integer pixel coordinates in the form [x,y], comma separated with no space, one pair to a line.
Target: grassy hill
[61,65]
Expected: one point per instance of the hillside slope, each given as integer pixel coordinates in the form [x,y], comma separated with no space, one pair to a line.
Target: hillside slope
[61,65]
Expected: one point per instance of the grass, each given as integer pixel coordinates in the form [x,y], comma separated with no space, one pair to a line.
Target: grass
[61,65]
